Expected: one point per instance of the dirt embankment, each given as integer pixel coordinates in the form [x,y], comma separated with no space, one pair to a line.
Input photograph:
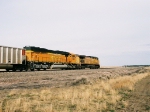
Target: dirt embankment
[139,99]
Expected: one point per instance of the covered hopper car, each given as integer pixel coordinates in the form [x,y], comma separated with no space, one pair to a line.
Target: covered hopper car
[36,58]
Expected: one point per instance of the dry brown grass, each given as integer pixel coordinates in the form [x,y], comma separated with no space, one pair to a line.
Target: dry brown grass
[96,96]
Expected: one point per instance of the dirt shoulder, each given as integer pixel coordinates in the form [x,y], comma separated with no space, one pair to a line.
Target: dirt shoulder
[59,78]
[139,99]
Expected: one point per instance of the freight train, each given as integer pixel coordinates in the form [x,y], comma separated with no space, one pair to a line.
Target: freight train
[36,58]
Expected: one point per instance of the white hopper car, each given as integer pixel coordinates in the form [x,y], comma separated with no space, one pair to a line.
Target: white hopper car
[12,58]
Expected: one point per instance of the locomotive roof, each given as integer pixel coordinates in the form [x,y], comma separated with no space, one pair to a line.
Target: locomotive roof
[62,52]
[83,56]
[93,57]
[38,49]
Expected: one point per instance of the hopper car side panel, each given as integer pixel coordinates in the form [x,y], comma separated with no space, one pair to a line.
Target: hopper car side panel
[12,58]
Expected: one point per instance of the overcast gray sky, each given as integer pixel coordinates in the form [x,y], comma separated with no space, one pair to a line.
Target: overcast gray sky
[116,31]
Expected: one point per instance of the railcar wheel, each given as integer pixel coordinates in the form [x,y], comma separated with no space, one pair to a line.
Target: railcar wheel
[7,70]
[44,69]
[21,70]
[26,69]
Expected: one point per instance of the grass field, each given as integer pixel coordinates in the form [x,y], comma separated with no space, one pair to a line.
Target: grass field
[96,96]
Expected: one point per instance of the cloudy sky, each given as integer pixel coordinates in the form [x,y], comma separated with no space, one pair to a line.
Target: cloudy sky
[116,31]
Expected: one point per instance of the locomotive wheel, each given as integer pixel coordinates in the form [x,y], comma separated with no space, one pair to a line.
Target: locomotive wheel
[44,68]
[32,69]
[21,70]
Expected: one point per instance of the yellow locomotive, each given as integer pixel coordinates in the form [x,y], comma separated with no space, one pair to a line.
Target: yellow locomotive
[41,58]
[89,62]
